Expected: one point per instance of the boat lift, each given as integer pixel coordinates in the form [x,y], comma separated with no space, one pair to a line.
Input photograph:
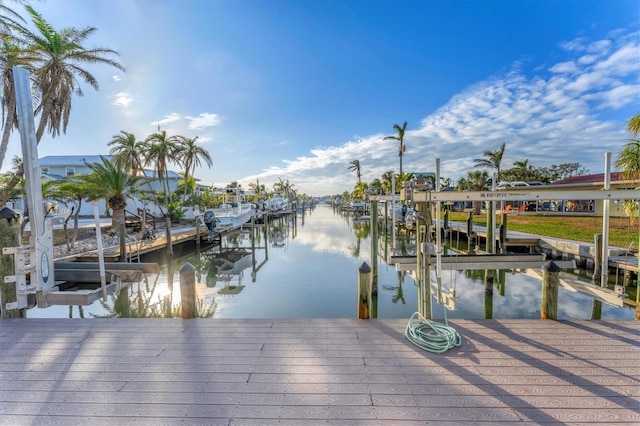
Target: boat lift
[35,270]
[423,193]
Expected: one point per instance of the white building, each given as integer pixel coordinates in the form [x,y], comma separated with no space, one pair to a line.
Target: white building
[61,167]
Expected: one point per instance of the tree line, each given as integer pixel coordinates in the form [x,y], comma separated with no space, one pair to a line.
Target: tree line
[490,165]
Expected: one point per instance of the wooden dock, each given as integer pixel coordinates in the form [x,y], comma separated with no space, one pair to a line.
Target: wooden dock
[137,248]
[317,371]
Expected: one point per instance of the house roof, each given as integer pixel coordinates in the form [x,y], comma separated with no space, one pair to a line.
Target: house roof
[81,160]
[585,180]
[70,160]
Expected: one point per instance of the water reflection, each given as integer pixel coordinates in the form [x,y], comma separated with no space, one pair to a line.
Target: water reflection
[306,266]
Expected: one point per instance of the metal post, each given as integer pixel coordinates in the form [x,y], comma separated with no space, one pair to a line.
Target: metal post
[41,238]
[604,273]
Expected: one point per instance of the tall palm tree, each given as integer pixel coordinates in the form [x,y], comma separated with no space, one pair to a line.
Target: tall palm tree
[160,149]
[628,161]
[192,155]
[399,136]
[355,167]
[125,149]
[492,160]
[633,125]
[59,56]
[13,53]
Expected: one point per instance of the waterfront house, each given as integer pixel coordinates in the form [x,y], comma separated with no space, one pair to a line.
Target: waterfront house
[62,167]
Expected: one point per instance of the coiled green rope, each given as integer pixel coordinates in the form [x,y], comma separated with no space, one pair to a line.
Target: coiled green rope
[431,336]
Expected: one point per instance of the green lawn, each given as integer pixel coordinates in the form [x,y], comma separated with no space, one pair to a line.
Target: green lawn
[578,228]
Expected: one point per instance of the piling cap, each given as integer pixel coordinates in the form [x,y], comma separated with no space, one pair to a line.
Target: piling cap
[364,268]
[550,266]
[187,267]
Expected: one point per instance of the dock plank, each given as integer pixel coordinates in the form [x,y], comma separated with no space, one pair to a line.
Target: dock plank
[318,371]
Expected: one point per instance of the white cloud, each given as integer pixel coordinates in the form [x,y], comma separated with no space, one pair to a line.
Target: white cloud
[116,78]
[548,119]
[171,118]
[564,67]
[203,120]
[123,99]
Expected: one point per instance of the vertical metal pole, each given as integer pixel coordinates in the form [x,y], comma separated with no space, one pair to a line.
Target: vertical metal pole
[103,278]
[438,237]
[41,239]
[393,214]
[604,275]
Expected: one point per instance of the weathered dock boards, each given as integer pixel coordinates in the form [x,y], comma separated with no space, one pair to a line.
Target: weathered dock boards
[318,371]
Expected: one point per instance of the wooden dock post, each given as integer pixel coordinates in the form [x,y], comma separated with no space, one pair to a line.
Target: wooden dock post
[188,291]
[9,237]
[364,291]
[550,281]
[469,231]
[597,257]
[503,233]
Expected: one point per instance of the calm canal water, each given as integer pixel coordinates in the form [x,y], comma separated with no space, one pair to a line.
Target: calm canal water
[307,267]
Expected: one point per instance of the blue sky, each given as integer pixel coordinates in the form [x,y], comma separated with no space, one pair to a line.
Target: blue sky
[297,89]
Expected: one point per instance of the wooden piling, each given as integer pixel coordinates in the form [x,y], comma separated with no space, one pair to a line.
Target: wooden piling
[470,231]
[550,281]
[188,291]
[9,237]
[364,291]
[597,257]
[503,233]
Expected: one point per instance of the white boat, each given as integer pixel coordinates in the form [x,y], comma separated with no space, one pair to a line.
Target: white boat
[276,204]
[229,217]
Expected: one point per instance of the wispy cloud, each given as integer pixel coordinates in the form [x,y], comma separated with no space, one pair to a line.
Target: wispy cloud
[123,99]
[203,121]
[168,119]
[550,117]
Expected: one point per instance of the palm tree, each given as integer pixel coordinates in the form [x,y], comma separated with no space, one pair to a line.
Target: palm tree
[71,191]
[376,186]
[387,179]
[9,19]
[57,61]
[258,189]
[628,161]
[192,155]
[492,160]
[11,55]
[57,58]
[355,167]
[400,138]
[112,182]
[633,125]
[478,180]
[359,191]
[126,152]
[161,149]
